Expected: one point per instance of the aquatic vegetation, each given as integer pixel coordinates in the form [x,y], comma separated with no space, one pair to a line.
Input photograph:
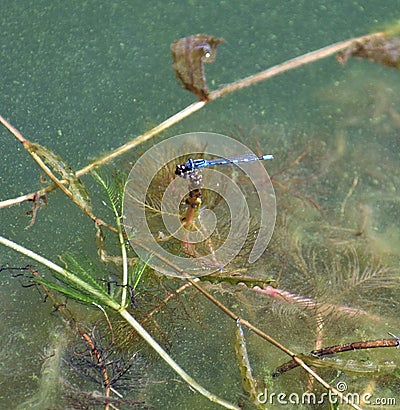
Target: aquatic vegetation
[50,377]
[380,49]
[322,282]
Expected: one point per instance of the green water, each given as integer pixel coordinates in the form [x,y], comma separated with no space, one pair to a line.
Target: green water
[84,77]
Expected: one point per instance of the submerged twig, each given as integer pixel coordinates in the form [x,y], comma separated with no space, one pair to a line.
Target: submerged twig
[108,301]
[37,202]
[349,194]
[369,344]
[37,152]
[256,330]
[249,383]
[235,86]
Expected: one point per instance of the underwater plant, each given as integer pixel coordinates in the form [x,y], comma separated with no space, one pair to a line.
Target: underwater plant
[311,290]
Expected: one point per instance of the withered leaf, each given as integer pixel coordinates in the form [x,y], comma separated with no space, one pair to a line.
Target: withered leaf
[59,166]
[249,383]
[189,54]
[380,49]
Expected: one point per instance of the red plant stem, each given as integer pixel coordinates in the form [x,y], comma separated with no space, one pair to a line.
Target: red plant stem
[85,336]
[285,296]
[193,201]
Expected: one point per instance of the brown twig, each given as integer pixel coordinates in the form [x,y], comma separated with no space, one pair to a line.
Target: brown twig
[235,86]
[100,363]
[37,202]
[288,65]
[256,330]
[165,301]
[60,184]
[369,344]
[69,317]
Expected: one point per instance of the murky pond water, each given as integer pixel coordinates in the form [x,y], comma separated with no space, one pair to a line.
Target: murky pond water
[83,78]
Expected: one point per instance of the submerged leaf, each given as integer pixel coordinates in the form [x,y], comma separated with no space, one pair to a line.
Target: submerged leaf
[66,290]
[59,166]
[189,55]
[249,383]
[84,269]
[236,278]
[114,188]
[380,49]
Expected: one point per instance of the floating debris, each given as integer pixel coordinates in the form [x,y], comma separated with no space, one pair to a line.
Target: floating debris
[380,49]
[189,55]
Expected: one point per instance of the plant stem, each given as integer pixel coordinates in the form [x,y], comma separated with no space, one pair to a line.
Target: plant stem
[125,314]
[164,355]
[118,216]
[316,355]
[169,122]
[256,330]
[61,271]
[286,66]
[229,88]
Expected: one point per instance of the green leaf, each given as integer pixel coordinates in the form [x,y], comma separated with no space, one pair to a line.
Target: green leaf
[67,291]
[138,271]
[114,189]
[84,269]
